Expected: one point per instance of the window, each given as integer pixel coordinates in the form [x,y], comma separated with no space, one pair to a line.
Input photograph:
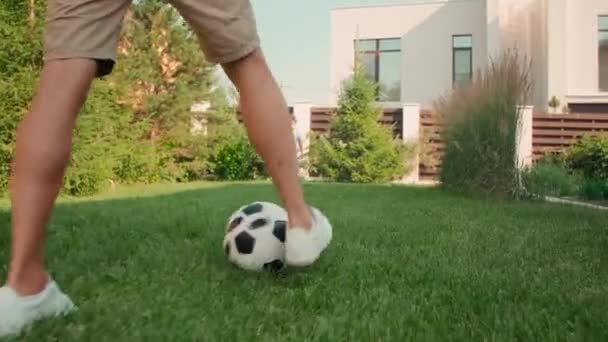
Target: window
[462,59]
[603,52]
[381,60]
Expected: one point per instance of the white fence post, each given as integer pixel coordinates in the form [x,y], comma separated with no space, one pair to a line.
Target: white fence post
[303,112]
[411,134]
[524,137]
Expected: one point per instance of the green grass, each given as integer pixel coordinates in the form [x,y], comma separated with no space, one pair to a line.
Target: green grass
[406,264]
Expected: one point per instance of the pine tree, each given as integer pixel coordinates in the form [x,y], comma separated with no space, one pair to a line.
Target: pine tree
[164,72]
[359,148]
[135,125]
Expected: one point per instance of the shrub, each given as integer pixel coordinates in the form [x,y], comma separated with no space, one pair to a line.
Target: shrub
[595,189]
[481,122]
[140,163]
[358,148]
[547,178]
[590,156]
[238,160]
[15,92]
[103,135]
[554,103]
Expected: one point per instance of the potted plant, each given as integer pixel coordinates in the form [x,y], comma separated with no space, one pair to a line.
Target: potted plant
[554,104]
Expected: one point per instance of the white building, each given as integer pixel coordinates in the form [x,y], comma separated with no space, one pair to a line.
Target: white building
[418,51]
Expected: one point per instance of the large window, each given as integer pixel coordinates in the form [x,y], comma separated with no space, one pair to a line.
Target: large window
[603,52]
[381,59]
[462,59]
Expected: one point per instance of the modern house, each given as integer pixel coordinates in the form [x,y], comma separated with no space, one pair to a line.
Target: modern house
[419,51]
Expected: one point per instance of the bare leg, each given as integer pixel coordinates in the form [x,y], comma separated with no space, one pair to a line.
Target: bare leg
[269,127]
[43,148]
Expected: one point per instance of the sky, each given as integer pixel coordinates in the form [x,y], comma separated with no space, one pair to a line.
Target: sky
[300,59]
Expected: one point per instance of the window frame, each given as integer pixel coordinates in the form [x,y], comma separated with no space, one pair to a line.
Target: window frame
[600,30]
[376,55]
[457,49]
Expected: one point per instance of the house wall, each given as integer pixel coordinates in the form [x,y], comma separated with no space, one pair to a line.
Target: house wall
[558,38]
[582,48]
[426,31]
[522,26]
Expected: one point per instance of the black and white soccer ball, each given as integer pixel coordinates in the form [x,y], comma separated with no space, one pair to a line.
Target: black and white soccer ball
[255,237]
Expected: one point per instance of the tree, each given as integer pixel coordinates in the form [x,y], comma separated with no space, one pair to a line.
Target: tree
[20,60]
[359,148]
[164,72]
[135,125]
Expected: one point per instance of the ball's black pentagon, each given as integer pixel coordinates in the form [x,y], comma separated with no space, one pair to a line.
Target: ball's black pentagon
[227,249]
[235,223]
[274,266]
[259,223]
[244,243]
[253,209]
[279,230]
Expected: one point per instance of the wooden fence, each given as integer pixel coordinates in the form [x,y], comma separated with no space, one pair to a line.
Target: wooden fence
[431,146]
[320,118]
[550,133]
[555,132]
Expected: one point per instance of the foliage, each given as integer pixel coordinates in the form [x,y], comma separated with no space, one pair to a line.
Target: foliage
[554,103]
[358,148]
[165,72]
[481,121]
[595,189]
[548,178]
[590,156]
[20,58]
[238,160]
[135,126]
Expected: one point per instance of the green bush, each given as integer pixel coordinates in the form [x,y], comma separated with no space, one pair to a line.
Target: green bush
[134,126]
[139,163]
[481,121]
[595,189]
[547,178]
[238,160]
[15,93]
[20,58]
[358,148]
[103,134]
[590,156]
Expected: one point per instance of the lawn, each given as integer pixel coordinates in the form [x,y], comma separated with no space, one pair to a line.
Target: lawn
[406,264]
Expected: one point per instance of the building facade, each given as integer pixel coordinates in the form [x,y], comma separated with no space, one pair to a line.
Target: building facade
[418,52]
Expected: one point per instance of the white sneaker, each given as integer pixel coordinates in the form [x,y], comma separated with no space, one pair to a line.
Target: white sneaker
[18,313]
[303,247]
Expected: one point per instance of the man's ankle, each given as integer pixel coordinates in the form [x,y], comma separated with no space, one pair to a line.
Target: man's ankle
[301,219]
[29,281]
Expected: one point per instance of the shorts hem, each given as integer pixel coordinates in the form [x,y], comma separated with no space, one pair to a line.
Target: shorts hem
[234,56]
[105,62]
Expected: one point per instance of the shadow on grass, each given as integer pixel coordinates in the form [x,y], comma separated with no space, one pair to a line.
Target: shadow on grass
[146,223]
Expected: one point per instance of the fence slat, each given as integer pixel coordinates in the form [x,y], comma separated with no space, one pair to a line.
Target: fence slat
[555,133]
[564,124]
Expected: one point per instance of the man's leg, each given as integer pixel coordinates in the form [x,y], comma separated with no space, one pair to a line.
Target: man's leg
[228,36]
[43,149]
[268,124]
[44,140]
[269,127]
[80,42]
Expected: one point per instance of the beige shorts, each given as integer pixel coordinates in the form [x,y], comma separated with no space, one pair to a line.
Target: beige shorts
[226,29]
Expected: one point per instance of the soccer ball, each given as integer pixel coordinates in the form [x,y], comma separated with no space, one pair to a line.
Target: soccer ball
[255,237]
